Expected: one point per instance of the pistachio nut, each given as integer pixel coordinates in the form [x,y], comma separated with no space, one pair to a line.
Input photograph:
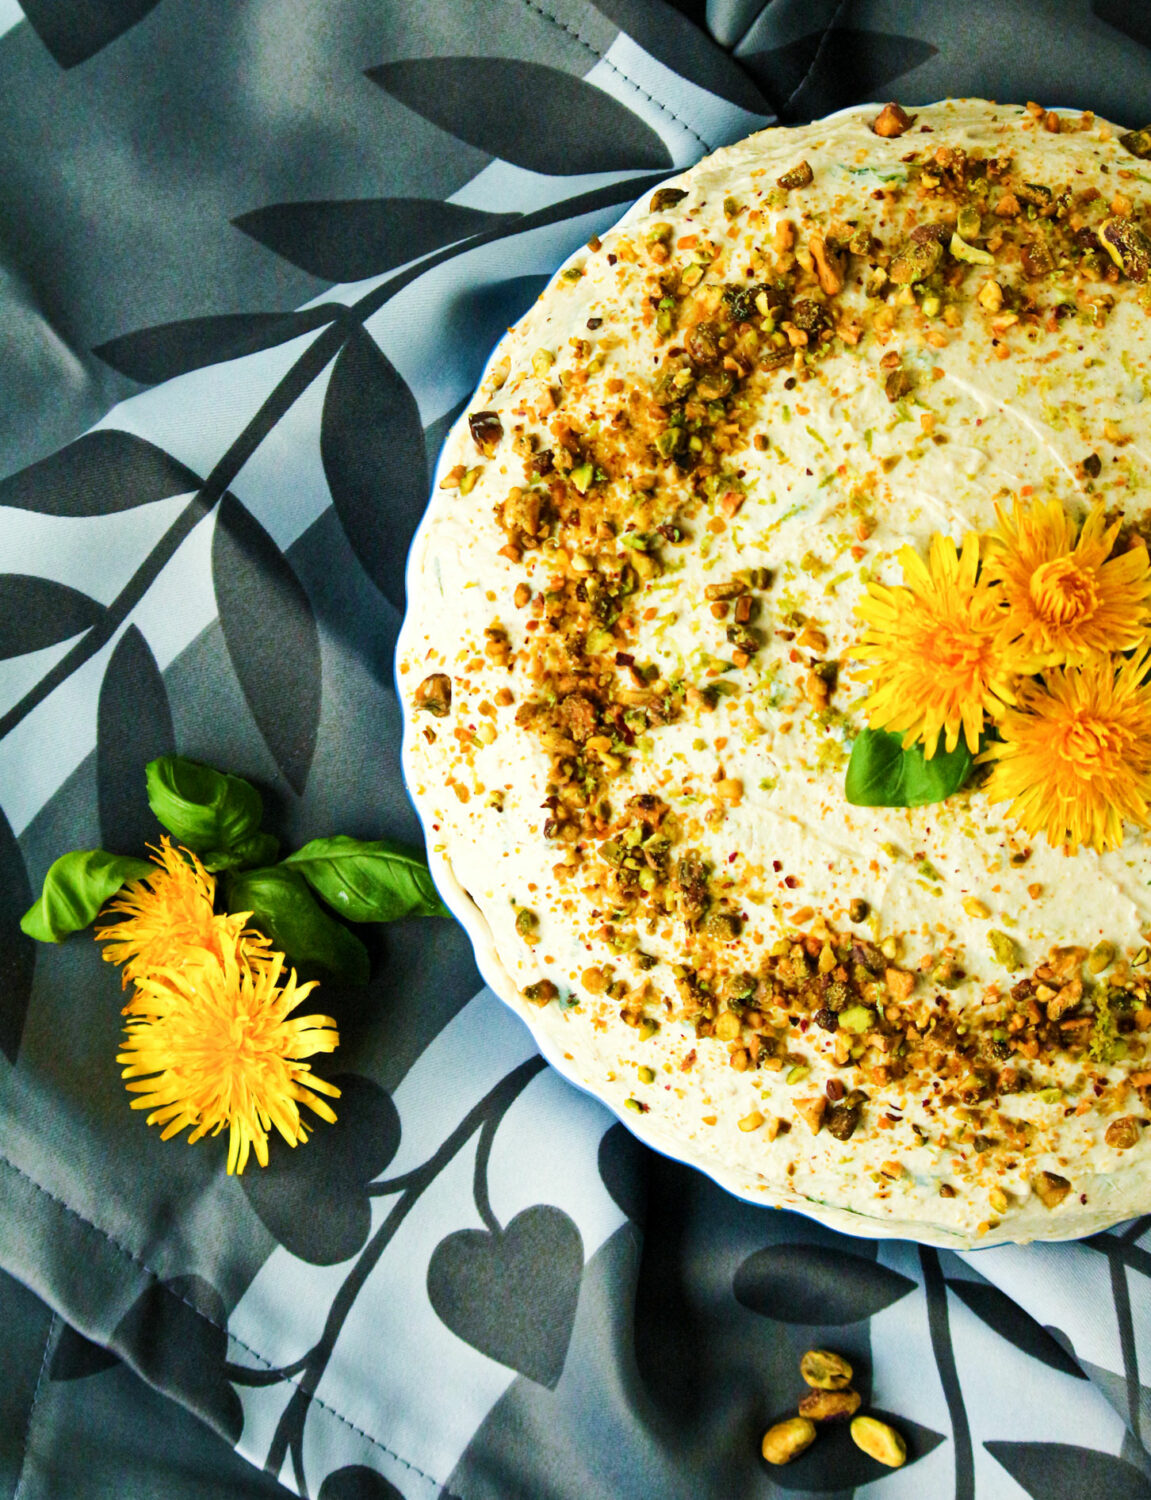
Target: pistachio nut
[892,120]
[787,1440]
[879,1441]
[434,695]
[1050,1188]
[830,1406]
[486,429]
[1138,142]
[825,1370]
[799,176]
[666,198]
[1123,1133]
[1127,246]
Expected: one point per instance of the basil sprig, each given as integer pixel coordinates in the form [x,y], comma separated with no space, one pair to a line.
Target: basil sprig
[369,880]
[75,888]
[206,810]
[218,817]
[285,910]
[881,773]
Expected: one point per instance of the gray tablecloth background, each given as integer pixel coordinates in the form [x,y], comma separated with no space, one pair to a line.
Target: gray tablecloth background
[252,256]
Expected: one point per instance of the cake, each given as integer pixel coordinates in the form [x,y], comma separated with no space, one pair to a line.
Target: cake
[774,670]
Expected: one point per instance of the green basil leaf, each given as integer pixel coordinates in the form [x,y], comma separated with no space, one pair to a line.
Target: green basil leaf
[881,773]
[75,888]
[201,807]
[260,849]
[285,910]
[369,881]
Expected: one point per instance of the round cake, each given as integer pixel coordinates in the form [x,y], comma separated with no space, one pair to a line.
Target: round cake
[776,670]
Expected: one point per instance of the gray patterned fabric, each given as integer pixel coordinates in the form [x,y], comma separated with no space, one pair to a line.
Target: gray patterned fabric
[251,259]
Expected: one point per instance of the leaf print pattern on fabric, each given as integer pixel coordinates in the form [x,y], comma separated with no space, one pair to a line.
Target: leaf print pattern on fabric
[848,65]
[271,635]
[512,1292]
[1007,1318]
[75,1357]
[621,1161]
[174,1335]
[101,472]
[315,1200]
[38,612]
[356,238]
[802,1283]
[534,116]
[1062,1471]
[372,444]
[152,355]
[1131,17]
[358,1483]
[17,952]
[75,30]
[133,726]
[671,37]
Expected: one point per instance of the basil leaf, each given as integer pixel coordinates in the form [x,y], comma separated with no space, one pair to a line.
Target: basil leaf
[201,807]
[376,881]
[285,910]
[881,773]
[260,849]
[75,888]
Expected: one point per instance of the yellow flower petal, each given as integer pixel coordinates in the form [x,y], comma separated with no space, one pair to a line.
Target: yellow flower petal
[1075,757]
[931,649]
[1065,599]
[167,918]
[215,1047]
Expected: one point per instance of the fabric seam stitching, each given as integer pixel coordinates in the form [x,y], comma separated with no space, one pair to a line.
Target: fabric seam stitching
[595,52]
[831,25]
[131,1255]
[27,1443]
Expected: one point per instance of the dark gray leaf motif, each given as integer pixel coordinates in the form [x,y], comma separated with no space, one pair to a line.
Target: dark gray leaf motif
[174,1335]
[436,433]
[358,1483]
[133,726]
[98,474]
[835,1465]
[621,1169]
[75,30]
[353,238]
[38,612]
[314,1200]
[271,636]
[849,65]
[75,1357]
[372,446]
[1128,16]
[152,355]
[1062,1471]
[512,1295]
[533,116]
[17,952]
[795,1283]
[1007,1318]
[670,36]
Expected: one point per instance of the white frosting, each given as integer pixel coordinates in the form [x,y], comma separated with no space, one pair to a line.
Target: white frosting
[837,446]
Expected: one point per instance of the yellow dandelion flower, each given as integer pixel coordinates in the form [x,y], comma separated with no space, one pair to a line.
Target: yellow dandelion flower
[931,648]
[210,1045]
[1065,599]
[1075,760]
[169,914]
